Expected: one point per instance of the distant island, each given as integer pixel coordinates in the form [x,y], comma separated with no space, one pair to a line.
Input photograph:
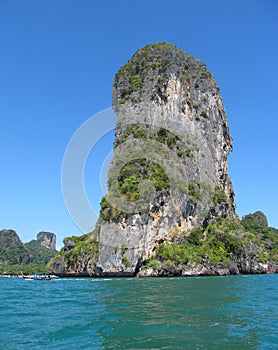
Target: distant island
[26,258]
[170,208]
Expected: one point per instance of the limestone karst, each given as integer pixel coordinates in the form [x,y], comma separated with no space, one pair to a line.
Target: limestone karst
[170,206]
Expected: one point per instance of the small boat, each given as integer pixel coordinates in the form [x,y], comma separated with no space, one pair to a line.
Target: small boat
[37,277]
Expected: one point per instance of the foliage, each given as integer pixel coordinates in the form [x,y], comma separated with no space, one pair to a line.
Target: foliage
[135,84]
[107,211]
[141,169]
[219,196]
[172,252]
[85,245]
[125,261]
[161,135]
[155,63]
[15,256]
[194,191]
[257,231]
[138,132]
[224,240]
[26,269]
[214,248]
[13,251]
[204,114]
[255,221]
[166,137]
[195,236]
[151,263]
[39,253]
[129,187]
[128,183]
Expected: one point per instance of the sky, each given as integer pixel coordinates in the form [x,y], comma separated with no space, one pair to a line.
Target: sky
[57,65]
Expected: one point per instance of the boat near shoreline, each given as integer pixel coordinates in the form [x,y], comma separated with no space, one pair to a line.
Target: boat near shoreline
[37,277]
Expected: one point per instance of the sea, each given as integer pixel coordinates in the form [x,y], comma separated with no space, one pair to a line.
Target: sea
[231,312]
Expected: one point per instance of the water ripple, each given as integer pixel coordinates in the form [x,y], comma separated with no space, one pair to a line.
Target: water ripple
[236,312]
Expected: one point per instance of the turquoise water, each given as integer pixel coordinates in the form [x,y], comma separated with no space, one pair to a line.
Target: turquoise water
[234,312]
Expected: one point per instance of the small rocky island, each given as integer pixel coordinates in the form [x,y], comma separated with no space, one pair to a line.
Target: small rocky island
[170,208]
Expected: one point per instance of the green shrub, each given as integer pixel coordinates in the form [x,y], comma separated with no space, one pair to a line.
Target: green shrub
[172,252]
[151,263]
[221,243]
[255,221]
[194,191]
[204,114]
[129,187]
[84,245]
[195,237]
[125,261]
[107,211]
[219,196]
[139,169]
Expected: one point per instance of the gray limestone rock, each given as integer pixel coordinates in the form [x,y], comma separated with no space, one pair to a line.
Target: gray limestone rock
[168,181]
[169,170]
[47,239]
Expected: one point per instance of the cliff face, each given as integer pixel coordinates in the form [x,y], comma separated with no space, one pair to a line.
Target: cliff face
[169,172]
[170,206]
[47,240]
[78,257]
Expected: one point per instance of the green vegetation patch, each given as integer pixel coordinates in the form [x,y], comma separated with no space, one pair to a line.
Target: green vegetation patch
[85,245]
[39,253]
[258,231]
[128,184]
[183,149]
[16,257]
[108,212]
[222,241]
[25,269]
[136,130]
[219,196]
[137,170]
[155,63]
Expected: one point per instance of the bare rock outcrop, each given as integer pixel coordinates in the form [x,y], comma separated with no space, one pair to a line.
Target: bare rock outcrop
[47,239]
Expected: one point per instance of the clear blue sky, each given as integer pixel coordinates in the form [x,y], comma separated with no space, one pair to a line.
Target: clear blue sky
[57,65]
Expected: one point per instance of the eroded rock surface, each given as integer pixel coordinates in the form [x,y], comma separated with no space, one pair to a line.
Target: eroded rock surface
[47,239]
[170,207]
[172,131]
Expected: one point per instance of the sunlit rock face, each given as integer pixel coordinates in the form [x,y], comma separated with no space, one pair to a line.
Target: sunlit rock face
[169,172]
[47,239]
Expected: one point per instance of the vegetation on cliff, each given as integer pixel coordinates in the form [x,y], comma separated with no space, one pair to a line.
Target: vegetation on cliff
[258,231]
[134,74]
[170,201]
[77,257]
[138,169]
[224,240]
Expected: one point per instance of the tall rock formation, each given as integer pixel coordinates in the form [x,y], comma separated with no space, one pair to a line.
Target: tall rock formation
[170,205]
[47,239]
[169,172]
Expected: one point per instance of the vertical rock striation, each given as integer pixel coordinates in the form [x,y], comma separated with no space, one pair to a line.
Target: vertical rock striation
[47,239]
[169,172]
[170,206]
